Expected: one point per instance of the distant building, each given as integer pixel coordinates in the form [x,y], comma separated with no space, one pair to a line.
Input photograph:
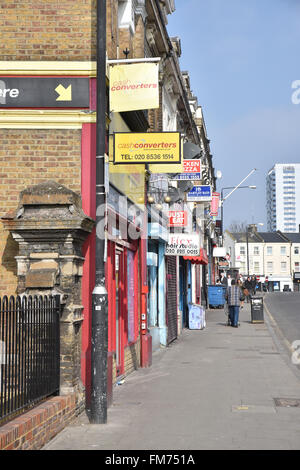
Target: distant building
[283,197]
[272,255]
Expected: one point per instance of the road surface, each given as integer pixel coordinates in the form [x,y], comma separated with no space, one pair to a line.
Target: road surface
[285,310]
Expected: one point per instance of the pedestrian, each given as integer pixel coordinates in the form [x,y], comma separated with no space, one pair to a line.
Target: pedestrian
[247,289]
[223,279]
[253,284]
[234,296]
[240,285]
[226,281]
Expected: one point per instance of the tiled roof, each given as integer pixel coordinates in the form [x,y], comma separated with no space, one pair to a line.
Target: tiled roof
[266,237]
[293,237]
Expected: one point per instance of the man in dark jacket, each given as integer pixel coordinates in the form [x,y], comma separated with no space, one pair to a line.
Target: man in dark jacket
[253,285]
[247,288]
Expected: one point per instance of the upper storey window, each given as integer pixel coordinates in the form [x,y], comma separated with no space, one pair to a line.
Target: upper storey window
[126,14]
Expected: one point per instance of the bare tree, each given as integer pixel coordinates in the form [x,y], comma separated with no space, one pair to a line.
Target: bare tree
[237,226]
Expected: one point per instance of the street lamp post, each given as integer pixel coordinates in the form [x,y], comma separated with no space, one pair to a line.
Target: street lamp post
[99,334]
[222,200]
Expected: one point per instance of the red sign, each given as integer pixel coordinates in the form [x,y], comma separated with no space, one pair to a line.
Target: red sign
[214,206]
[177,219]
[191,166]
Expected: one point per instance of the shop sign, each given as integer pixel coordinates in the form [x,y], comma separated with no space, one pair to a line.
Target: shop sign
[133,87]
[191,166]
[177,218]
[191,171]
[187,177]
[214,207]
[44,92]
[148,147]
[199,194]
[183,244]
[223,264]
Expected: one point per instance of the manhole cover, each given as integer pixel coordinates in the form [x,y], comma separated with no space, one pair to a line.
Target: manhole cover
[287,402]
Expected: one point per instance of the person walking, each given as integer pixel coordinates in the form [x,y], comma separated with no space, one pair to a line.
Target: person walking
[240,285]
[234,297]
[224,280]
[247,289]
[253,284]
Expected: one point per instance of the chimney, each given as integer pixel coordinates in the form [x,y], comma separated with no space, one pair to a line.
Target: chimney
[252,228]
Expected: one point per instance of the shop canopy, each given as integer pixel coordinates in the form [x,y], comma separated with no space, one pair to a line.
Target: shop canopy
[201,259]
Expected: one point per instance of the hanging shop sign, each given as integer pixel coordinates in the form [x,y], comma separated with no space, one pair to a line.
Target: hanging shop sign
[187,177]
[199,194]
[183,244]
[177,218]
[191,166]
[191,171]
[214,206]
[133,87]
[147,147]
[44,92]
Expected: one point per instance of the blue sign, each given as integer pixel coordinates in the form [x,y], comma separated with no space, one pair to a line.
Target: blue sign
[187,176]
[199,193]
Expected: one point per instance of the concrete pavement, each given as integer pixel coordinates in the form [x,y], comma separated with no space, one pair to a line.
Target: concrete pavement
[211,389]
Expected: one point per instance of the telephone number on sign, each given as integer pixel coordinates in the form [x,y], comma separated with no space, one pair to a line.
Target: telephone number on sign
[190,252]
[151,156]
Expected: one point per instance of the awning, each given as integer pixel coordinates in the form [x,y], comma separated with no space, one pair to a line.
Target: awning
[201,259]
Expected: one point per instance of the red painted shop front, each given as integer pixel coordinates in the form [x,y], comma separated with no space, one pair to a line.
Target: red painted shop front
[122,283]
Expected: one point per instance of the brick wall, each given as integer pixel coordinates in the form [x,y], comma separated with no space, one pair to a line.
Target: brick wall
[120,39]
[34,429]
[48,30]
[29,157]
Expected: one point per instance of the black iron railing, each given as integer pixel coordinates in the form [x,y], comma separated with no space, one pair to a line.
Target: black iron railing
[29,351]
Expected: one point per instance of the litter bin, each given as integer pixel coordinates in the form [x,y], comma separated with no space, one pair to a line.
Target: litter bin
[257,310]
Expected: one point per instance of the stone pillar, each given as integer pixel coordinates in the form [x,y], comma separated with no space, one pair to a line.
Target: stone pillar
[50,228]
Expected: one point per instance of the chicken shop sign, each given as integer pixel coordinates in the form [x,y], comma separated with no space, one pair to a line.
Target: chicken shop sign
[183,244]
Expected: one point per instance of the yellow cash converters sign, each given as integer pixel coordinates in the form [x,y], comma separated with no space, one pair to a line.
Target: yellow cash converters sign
[133,87]
[148,147]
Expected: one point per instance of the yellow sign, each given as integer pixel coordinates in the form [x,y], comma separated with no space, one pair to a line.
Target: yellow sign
[149,147]
[133,87]
[128,179]
[168,167]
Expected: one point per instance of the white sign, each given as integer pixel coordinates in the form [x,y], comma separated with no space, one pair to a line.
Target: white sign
[219,252]
[183,244]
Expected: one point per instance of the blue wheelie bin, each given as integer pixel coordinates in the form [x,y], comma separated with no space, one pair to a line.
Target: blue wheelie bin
[216,296]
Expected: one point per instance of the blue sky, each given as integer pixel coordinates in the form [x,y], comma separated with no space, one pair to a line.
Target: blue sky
[242,56]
